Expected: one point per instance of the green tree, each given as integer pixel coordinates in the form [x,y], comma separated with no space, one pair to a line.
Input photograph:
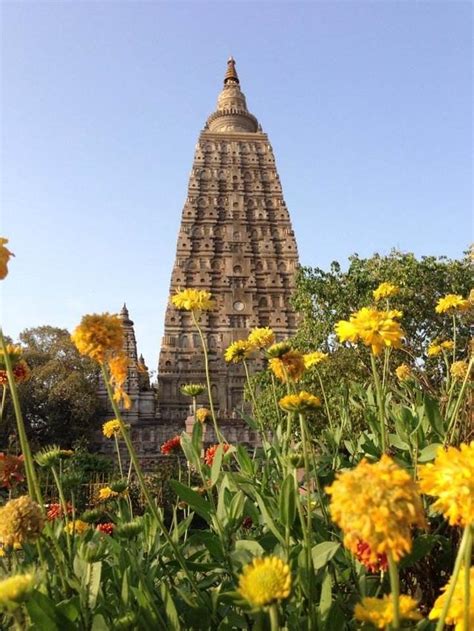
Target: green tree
[59,400]
[322,298]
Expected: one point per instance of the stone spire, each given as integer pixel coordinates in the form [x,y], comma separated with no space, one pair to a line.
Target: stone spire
[232,114]
[236,241]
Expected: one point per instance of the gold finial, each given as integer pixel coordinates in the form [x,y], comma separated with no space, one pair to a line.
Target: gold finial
[231,73]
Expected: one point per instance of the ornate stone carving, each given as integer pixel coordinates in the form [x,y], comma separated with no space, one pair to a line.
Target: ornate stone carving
[236,241]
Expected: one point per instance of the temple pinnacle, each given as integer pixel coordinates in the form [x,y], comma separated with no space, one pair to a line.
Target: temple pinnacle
[231,73]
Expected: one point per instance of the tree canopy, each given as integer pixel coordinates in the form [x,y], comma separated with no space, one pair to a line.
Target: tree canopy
[59,400]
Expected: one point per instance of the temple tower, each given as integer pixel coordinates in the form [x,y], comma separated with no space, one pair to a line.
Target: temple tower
[235,241]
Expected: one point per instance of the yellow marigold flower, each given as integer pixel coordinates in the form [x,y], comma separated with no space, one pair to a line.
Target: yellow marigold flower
[238,351]
[77,526]
[379,611]
[111,428]
[434,350]
[347,331]
[265,581]
[299,402]
[106,493]
[118,367]
[99,336]
[456,606]
[261,338]
[450,478]
[5,255]
[385,290]
[192,389]
[193,300]
[376,503]
[403,372]
[288,367]
[203,415]
[448,345]
[458,370]
[373,328]
[279,349]
[15,589]
[313,359]
[452,303]
[21,521]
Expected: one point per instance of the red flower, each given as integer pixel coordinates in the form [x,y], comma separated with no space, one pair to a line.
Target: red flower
[171,445]
[363,555]
[21,372]
[55,511]
[211,452]
[107,528]
[247,523]
[11,470]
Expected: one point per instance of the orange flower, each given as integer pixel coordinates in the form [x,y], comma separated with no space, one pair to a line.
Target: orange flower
[5,255]
[171,445]
[288,367]
[211,452]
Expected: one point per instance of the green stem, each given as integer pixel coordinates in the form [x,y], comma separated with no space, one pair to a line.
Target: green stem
[454,341]
[454,577]
[452,421]
[467,579]
[274,622]
[144,489]
[219,436]
[118,455]
[195,409]
[62,500]
[4,396]
[32,481]
[326,405]
[395,588]
[308,527]
[380,405]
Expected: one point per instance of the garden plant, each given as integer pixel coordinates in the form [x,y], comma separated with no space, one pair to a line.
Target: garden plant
[355,511]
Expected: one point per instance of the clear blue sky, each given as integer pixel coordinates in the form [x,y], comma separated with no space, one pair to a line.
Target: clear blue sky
[367,106]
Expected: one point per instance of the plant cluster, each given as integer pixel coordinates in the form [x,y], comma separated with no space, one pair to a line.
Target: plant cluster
[366,524]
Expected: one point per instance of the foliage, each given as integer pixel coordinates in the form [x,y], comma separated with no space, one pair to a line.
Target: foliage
[323,298]
[320,528]
[59,400]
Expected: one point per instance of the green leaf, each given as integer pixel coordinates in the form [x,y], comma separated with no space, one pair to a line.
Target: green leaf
[244,461]
[429,452]
[288,501]
[99,624]
[326,595]
[42,612]
[193,455]
[322,553]
[434,415]
[236,509]
[197,503]
[267,518]
[170,608]
[197,437]
[94,583]
[216,465]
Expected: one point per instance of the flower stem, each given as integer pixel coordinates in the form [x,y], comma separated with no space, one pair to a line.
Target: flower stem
[119,459]
[454,577]
[62,500]
[467,579]
[219,436]
[395,588]
[151,503]
[326,405]
[380,405]
[453,419]
[32,481]
[274,622]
